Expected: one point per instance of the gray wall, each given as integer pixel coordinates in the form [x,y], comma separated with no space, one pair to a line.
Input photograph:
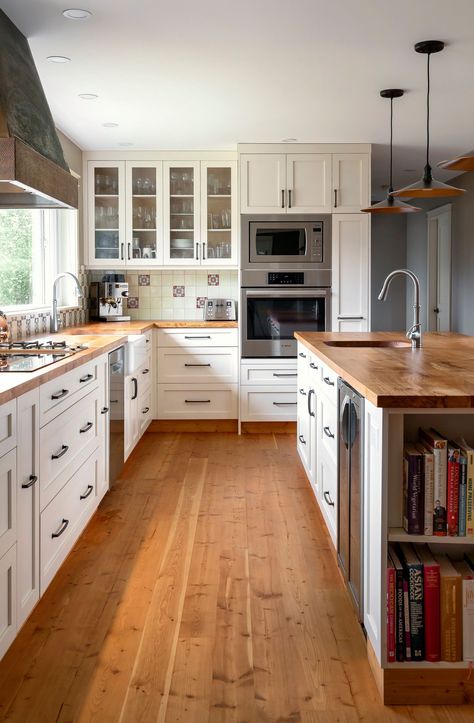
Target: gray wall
[73,156]
[388,253]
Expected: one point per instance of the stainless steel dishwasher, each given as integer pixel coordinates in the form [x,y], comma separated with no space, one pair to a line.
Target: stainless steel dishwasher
[116,401]
[350,492]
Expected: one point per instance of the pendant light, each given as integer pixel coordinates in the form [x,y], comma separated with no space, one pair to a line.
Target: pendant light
[427,186]
[462,163]
[390,204]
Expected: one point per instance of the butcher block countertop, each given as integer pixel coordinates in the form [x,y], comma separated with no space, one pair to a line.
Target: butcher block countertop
[139,327]
[439,375]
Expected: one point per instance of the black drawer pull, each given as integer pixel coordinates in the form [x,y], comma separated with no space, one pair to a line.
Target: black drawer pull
[310,394]
[32,479]
[313,365]
[292,374]
[146,410]
[302,391]
[284,404]
[86,378]
[60,454]
[302,355]
[60,395]
[85,429]
[302,439]
[327,499]
[104,410]
[197,365]
[135,388]
[147,341]
[328,432]
[197,337]
[62,527]
[328,381]
[145,371]
[87,493]
[197,401]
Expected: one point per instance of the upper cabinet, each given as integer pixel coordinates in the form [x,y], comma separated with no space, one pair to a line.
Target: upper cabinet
[262,183]
[182,213]
[350,180]
[308,181]
[106,212]
[144,213]
[219,215]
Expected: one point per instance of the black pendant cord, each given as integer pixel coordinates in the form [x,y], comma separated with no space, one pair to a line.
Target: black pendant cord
[427,177]
[390,189]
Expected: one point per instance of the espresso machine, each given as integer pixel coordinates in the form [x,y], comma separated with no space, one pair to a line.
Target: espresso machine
[107,298]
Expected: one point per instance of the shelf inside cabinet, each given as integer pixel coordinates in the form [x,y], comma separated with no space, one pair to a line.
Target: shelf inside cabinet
[105,195]
[146,230]
[219,195]
[181,195]
[144,195]
[219,230]
[114,230]
[398,534]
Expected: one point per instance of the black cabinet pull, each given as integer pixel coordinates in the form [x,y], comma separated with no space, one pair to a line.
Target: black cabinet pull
[328,381]
[146,410]
[302,391]
[301,354]
[310,394]
[60,454]
[292,374]
[87,493]
[335,198]
[328,432]
[313,365]
[104,410]
[60,395]
[135,384]
[284,404]
[147,341]
[86,378]
[62,527]
[327,499]
[289,198]
[32,479]
[85,429]
[283,198]
[197,365]
[145,371]
[197,401]
[196,337]
[302,439]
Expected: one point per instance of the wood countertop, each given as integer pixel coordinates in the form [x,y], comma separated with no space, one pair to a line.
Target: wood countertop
[139,327]
[439,375]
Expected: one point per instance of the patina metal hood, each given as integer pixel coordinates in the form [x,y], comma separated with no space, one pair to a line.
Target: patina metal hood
[33,171]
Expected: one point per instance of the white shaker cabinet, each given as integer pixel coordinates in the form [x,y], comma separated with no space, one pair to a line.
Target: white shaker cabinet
[8,623]
[350,178]
[262,183]
[308,182]
[351,263]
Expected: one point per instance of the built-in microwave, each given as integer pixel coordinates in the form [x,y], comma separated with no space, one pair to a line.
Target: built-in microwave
[286,242]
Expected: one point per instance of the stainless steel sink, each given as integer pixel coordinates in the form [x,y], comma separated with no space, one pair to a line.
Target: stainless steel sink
[371,343]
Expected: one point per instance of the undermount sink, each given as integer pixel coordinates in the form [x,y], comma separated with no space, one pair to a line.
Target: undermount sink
[379,343]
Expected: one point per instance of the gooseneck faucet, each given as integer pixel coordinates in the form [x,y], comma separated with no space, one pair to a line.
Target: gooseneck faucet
[54,322]
[414,332]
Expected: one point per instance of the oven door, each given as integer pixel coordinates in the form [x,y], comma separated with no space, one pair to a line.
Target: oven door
[278,242]
[270,317]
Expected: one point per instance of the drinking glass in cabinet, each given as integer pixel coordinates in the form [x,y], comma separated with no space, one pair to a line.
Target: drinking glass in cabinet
[106,181]
[106,245]
[181,181]
[218,181]
[106,215]
[144,217]
[144,181]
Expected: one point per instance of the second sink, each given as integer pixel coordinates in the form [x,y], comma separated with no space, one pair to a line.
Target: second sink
[376,343]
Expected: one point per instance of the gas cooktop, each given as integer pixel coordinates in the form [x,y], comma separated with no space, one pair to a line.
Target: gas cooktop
[29,356]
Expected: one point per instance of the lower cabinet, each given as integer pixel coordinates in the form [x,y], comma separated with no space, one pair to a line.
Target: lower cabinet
[268,390]
[8,622]
[197,401]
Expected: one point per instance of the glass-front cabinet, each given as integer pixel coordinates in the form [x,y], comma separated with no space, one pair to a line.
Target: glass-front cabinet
[219,216]
[182,213]
[144,213]
[107,212]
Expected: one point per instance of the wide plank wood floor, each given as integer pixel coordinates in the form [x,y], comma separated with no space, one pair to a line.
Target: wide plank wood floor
[204,589]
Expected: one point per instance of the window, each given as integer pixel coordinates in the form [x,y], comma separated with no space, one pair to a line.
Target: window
[35,245]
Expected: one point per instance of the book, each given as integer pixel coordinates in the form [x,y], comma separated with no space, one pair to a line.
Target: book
[450,610]
[406,619]
[438,444]
[467,575]
[391,587]
[400,621]
[414,575]
[431,590]
[413,498]
[452,490]
[462,494]
[468,453]
[428,486]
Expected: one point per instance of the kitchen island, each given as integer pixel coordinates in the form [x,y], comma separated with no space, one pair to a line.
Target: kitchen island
[404,389]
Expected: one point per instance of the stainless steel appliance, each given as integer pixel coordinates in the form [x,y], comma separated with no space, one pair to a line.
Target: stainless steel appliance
[220,310]
[350,492]
[29,356]
[116,418]
[107,300]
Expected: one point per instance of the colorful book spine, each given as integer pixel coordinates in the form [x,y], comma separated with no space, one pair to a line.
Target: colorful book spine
[431,590]
[438,445]
[406,618]
[468,453]
[428,487]
[399,623]
[391,612]
[450,611]
[414,572]
[462,495]
[453,490]
[413,517]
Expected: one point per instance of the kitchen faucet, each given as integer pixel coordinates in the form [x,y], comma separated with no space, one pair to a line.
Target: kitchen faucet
[54,322]
[414,332]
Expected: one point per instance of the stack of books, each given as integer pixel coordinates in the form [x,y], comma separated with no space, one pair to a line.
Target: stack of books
[430,605]
[438,486]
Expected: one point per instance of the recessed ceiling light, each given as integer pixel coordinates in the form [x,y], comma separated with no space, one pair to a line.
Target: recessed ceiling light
[110,125]
[289,140]
[88,96]
[76,14]
[125,144]
[58,59]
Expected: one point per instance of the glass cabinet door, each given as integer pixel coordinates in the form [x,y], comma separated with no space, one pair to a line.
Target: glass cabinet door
[106,212]
[144,213]
[182,200]
[219,216]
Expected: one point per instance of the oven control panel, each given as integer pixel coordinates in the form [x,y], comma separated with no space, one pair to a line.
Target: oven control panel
[293,278]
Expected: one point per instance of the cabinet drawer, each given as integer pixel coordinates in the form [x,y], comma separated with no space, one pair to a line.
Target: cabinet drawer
[196,337]
[266,404]
[7,501]
[303,441]
[328,382]
[200,401]
[145,410]
[7,599]
[58,394]
[328,428]
[144,375]
[200,366]
[268,373]
[327,483]
[65,443]
[65,517]
[7,426]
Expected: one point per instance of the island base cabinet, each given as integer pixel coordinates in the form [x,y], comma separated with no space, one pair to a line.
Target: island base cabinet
[327,482]
[8,621]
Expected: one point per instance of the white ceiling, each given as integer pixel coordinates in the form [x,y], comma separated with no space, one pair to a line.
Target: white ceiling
[206,74]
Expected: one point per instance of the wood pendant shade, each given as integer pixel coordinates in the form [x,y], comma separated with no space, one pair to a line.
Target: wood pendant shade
[462,163]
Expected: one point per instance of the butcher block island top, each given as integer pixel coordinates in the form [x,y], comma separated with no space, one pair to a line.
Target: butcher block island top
[438,375]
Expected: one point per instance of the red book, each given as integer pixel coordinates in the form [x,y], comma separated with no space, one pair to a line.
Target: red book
[431,603]
[391,612]
[452,494]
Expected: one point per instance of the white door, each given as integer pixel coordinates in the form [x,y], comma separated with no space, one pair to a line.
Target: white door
[181,212]
[350,282]
[308,180]
[104,423]
[8,519]
[144,217]
[8,624]
[219,213]
[106,213]
[439,269]
[350,178]
[263,183]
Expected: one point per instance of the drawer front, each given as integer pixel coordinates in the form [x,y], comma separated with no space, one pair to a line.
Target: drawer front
[145,410]
[328,429]
[7,599]
[197,402]
[7,427]
[201,366]
[65,443]
[266,404]
[327,482]
[269,374]
[7,501]
[58,394]
[303,441]
[328,382]
[196,337]
[65,517]
[144,375]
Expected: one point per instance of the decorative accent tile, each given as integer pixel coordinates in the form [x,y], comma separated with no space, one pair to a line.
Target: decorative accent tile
[133,303]
[213,279]
[201,302]
[143,279]
[178,291]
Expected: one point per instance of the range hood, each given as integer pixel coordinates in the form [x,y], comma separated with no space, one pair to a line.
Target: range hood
[33,171]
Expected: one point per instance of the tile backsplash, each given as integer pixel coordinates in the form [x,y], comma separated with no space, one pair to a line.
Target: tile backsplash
[170,295]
